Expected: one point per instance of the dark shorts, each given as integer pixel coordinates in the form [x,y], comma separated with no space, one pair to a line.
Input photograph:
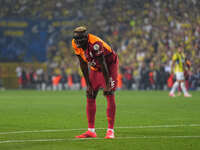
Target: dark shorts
[97,79]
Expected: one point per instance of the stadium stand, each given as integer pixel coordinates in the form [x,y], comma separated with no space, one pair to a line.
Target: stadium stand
[143,32]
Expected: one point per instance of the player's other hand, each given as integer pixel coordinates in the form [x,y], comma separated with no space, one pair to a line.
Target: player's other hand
[107,88]
[90,91]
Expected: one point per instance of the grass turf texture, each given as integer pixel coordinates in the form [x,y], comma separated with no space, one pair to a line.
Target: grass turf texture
[136,110]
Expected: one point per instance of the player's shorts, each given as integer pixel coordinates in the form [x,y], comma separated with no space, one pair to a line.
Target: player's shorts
[97,79]
[180,76]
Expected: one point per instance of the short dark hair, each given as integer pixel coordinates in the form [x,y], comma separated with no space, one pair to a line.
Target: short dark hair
[80,29]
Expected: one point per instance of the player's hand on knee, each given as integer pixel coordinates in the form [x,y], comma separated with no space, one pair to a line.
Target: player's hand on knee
[107,88]
[108,91]
[90,91]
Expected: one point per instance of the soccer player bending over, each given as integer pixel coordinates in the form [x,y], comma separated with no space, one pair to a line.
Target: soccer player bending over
[99,64]
[178,60]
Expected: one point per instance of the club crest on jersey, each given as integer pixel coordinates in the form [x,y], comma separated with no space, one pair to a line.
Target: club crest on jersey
[96,47]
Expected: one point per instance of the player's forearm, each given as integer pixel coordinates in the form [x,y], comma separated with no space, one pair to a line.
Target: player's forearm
[104,69]
[106,75]
[84,69]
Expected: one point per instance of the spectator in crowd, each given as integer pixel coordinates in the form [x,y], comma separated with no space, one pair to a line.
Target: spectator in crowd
[63,80]
[19,75]
[24,78]
[39,78]
[128,77]
[144,78]
[76,79]
[161,78]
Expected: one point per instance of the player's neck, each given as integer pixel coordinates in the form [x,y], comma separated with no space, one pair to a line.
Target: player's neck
[84,47]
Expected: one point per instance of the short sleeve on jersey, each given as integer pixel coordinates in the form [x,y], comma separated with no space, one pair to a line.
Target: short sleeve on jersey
[76,50]
[98,48]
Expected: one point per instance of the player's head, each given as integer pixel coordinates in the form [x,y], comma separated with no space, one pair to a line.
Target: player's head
[80,36]
[180,48]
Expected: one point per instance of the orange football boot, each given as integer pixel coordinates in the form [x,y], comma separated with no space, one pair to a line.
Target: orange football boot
[110,135]
[87,134]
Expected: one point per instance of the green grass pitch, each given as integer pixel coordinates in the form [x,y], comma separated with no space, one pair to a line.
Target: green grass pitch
[145,120]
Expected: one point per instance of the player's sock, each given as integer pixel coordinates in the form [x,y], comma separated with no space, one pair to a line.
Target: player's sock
[184,88]
[111,108]
[174,87]
[91,129]
[110,129]
[91,111]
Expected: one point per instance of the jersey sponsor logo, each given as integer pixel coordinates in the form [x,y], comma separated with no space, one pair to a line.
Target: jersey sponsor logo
[180,60]
[91,54]
[96,47]
[92,63]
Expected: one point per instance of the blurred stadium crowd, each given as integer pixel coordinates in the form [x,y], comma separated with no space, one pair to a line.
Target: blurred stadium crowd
[144,33]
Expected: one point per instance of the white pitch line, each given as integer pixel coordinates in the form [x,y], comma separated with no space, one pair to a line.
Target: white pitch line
[40,131]
[163,126]
[141,137]
[117,138]
[37,140]
[131,127]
